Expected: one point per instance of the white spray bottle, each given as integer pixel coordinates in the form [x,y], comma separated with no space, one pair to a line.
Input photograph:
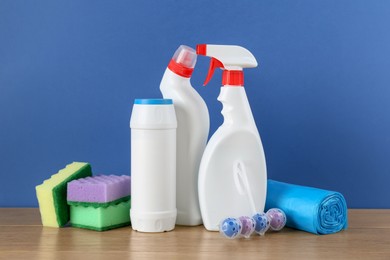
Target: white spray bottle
[233,163]
[192,132]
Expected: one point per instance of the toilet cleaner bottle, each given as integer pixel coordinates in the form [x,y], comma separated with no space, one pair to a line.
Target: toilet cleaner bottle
[233,166]
[192,132]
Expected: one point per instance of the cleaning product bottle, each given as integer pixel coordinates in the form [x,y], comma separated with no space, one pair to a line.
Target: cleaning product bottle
[233,165]
[153,165]
[192,132]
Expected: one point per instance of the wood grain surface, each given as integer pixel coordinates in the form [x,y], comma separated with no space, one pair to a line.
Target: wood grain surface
[23,237]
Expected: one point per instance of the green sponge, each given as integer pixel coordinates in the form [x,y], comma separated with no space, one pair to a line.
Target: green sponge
[101,218]
[51,194]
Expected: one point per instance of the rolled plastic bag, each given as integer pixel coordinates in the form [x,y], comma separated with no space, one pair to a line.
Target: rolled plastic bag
[310,209]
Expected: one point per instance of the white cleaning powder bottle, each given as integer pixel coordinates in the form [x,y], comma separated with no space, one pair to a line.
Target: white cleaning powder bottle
[192,132]
[233,165]
[153,165]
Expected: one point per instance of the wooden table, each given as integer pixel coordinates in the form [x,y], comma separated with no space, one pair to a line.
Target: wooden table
[23,237]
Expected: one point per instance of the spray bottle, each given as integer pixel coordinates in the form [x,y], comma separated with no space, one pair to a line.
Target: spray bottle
[192,132]
[233,166]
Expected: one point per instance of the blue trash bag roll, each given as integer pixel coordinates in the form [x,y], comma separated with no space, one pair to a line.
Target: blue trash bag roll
[310,209]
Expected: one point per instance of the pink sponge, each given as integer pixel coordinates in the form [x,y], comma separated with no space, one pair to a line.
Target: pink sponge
[99,189]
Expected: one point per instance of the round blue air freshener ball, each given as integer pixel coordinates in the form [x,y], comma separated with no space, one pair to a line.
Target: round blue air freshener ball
[262,223]
[230,227]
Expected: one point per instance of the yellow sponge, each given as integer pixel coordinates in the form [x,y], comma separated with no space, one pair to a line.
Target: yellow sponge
[51,194]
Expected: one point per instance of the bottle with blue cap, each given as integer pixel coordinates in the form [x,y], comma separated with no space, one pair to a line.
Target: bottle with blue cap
[153,165]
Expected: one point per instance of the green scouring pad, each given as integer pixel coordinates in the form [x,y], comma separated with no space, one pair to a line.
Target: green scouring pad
[100,218]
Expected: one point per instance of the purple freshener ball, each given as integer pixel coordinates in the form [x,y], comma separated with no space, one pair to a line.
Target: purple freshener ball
[277,218]
[248,226]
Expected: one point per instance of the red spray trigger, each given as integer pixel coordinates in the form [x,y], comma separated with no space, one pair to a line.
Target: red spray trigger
[214,63]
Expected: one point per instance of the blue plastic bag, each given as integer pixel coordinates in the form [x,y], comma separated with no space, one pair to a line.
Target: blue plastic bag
[310,209]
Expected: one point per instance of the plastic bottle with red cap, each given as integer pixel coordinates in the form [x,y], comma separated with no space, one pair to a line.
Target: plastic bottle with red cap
[192,132]
[232,173]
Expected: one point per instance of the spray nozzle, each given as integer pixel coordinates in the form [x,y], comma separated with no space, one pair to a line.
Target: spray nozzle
[230,58]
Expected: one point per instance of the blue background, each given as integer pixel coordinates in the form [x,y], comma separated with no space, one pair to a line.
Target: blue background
[70,71]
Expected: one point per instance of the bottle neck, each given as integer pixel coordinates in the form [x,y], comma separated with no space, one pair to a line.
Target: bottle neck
[180,69]
[236,109]
[234,78]
[173,81]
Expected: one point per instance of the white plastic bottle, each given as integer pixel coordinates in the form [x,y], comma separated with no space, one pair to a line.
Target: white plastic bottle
[192,132]
[153,165]
[232,174]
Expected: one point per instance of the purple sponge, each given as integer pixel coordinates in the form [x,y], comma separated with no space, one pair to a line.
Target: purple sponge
[99,189]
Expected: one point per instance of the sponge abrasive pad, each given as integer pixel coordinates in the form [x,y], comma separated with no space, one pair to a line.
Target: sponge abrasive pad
[99,189]
[101,218]
[51,194]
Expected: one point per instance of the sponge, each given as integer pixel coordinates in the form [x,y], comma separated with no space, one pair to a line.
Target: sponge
[100,218]
[101,190]
[51,194]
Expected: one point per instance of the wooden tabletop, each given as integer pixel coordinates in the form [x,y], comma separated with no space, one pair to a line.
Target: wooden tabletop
[23,237]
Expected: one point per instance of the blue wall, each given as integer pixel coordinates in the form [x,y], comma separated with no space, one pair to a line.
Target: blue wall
[70,70]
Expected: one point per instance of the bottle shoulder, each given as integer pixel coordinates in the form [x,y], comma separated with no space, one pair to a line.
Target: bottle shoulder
[189,105]
[234,130]
[179,88]
[233,140]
